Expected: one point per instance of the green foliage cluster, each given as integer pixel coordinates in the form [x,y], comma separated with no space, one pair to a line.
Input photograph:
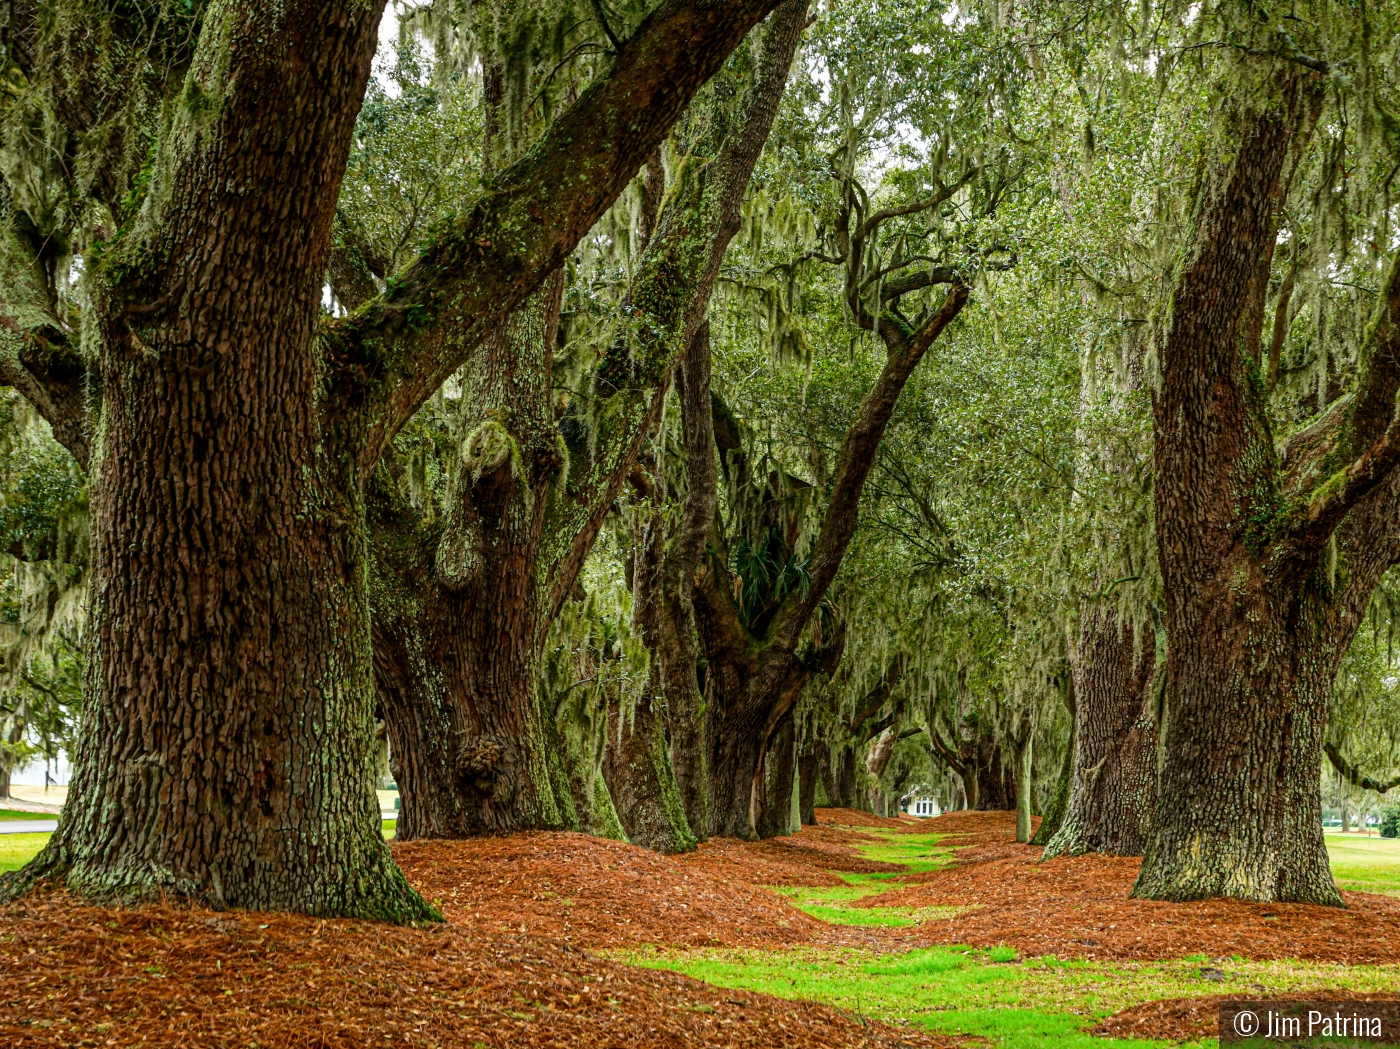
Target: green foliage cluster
[43,589]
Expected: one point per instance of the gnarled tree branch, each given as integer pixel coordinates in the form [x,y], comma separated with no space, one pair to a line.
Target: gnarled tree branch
[390,357]
[1353,775]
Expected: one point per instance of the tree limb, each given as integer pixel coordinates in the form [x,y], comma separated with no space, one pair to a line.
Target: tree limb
[671,290]
[876,697]
[386,360]
[946,753]
[1354,775]
[1370,431]
[935,198]
[40,365]
[857,456]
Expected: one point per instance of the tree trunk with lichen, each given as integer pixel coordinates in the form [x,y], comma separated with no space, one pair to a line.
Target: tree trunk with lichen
[459,627]
[1114,786]
[1268,557]
[226,749]
[1055,812]
[226,752]
[638,762]
[638,770]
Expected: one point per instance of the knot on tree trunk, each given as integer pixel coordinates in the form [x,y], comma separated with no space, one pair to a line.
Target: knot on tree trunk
[481,765]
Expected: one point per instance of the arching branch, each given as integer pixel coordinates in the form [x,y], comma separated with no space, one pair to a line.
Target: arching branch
[1353,775]
[48,373]
[390,357]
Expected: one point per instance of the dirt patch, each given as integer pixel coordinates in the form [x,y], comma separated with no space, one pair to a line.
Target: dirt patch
[166,977]
[1079,908]
[1190,1019]
[592,892]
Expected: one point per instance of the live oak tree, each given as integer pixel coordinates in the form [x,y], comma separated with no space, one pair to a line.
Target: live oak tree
[1270,546]
[464,603]
[198,156]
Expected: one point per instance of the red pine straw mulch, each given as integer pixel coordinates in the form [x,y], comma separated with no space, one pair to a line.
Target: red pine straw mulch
[1079,908]
[805,859]
[78,975]
[1190,1019]
[855,818]
[592,892]
[74,974]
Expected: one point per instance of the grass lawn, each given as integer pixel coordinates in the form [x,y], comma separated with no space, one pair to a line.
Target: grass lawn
[1038,1003]
[1365,864]
[21,814]
[18,849]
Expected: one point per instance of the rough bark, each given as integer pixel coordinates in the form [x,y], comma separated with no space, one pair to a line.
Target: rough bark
[1115,759]
[226,749]
[638,770]
[459,600]
[846,780]
[773,783]
[1268,559]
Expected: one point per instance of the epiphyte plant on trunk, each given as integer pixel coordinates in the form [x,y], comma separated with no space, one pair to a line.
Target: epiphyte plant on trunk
[226,745]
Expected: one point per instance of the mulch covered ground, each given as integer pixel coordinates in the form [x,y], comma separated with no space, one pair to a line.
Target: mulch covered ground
[1190,1019]
[76,975]
[1079,908]
[806,859]
[509,968]
[591,892]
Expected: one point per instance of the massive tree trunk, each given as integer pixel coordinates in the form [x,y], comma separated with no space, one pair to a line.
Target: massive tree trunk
[226,750]
[1268,557]
[1114,788]
[459,626]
